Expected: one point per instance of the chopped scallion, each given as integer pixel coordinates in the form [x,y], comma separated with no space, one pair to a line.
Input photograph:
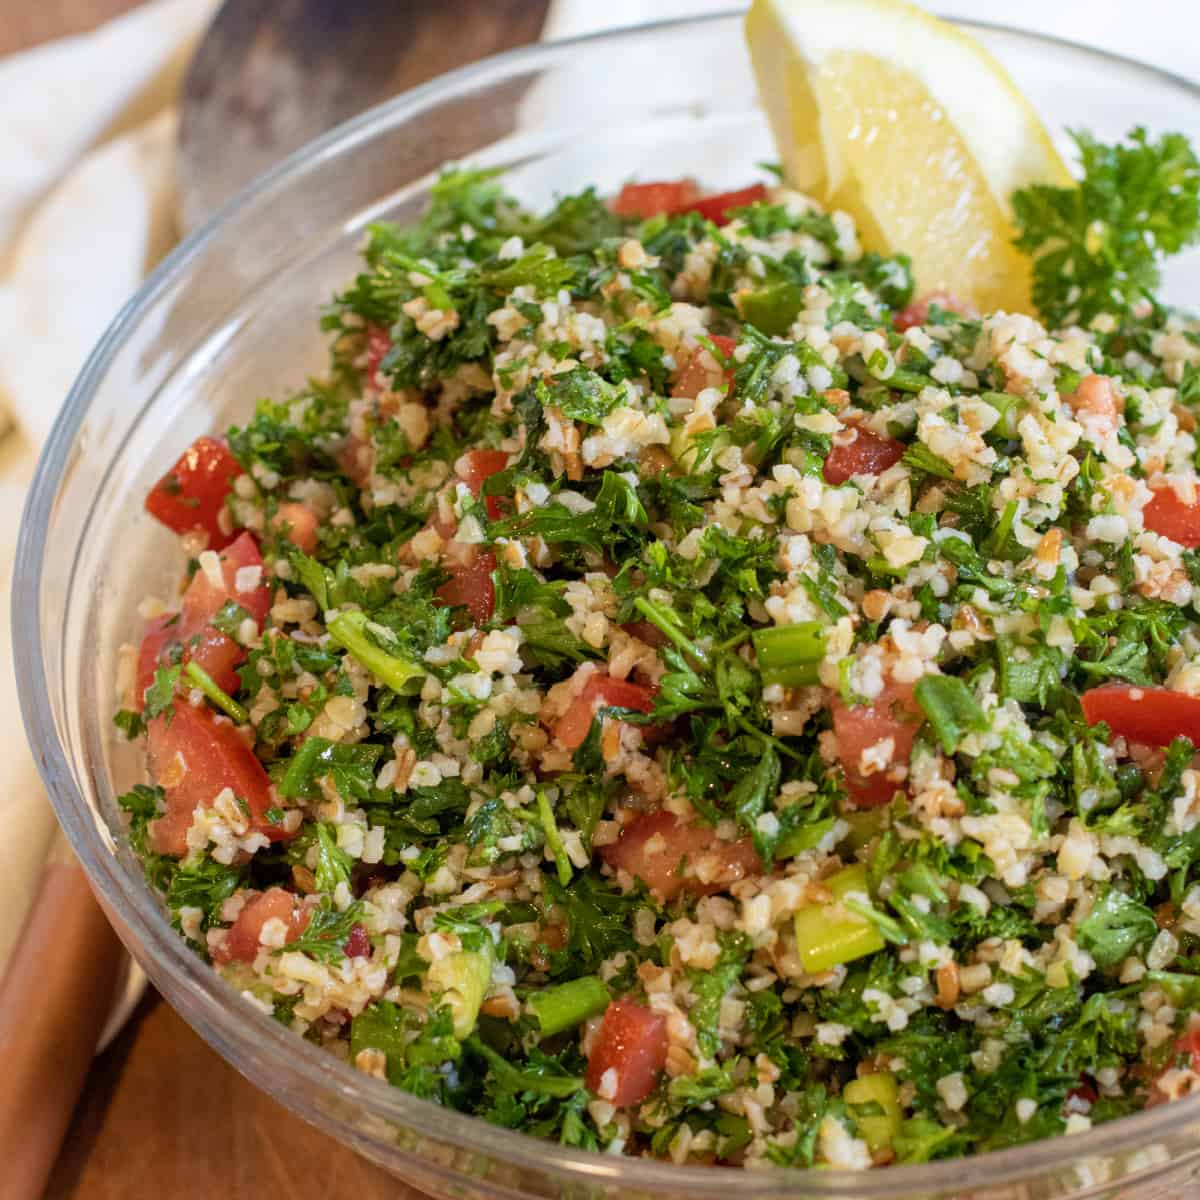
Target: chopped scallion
[568,1004]
[790,654]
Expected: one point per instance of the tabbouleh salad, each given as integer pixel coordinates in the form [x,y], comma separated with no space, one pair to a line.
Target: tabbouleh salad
[670,691]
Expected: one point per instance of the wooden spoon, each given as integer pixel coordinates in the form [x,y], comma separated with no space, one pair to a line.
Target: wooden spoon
[271,75]
[54,1001]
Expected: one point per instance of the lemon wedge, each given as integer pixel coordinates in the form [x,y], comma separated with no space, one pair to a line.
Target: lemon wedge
[910,126]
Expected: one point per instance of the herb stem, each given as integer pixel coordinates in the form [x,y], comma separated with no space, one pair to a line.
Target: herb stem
[660,618]
[554,839]
[734,642]
[217,695]
[348,630]
[764,737]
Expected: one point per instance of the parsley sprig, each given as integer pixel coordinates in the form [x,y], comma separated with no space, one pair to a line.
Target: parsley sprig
[1097,247]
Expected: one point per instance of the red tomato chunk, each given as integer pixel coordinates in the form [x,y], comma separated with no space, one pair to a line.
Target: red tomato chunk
[718,208]
[644,200]
[210,649]
[917,313]
[893,714]
[470,586]
[702,369]
[205,597]
[189,498]
[1186,1057]
[243,939]
[866,454]
[632,1044]
[669,198]
[475,468]
[1084,1093]
[161,632]
[1153,716]
[572,727]
[194,756]
[1097,404]
[670,857]
[1170,517]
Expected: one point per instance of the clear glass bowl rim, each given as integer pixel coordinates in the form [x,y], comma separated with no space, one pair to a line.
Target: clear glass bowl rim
[240,1023]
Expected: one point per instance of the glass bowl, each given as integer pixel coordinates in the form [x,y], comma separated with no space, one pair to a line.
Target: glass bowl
[231,316]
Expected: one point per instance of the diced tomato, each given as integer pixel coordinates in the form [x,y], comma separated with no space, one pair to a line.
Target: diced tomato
[476,467]
[191,495]
[1169,517]
[358,944]
[717,208]
[379,342]
[1153,716]
[1084,1092]
[702,370]
[195,755]
[298,523]
[204,598]
[893,714]
[668,198]
[241,942]
[160,633]
[644,200]
[217,654]
[917,313]
[726,345]
[866,454]
[632,1043]
[1186,1055]
[600,691]
[470,586]
[669,856]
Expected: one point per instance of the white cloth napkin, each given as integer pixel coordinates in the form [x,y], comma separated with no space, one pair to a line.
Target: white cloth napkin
[87,133]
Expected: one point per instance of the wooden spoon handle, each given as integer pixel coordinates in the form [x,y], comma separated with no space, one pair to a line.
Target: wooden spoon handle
[54,1000]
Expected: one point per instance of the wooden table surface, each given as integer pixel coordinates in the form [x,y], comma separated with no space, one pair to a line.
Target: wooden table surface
[163,1116]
